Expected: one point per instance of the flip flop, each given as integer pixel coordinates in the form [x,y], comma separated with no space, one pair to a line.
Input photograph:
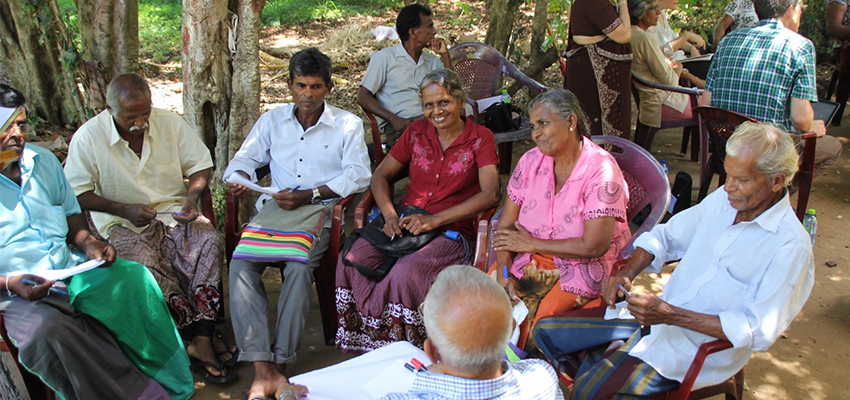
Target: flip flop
[255,397]
[235,354]
[200,367]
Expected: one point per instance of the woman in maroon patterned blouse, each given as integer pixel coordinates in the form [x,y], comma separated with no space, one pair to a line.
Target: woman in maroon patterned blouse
[453,175]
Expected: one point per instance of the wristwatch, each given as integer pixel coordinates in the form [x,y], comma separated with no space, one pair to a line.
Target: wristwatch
[317,197]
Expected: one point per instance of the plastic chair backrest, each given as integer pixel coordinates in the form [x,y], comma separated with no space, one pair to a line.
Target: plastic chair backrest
[480,67]
[720,123]
[647,182]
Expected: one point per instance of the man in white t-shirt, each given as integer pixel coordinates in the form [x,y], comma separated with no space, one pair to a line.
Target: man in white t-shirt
[390,86]
[739,14]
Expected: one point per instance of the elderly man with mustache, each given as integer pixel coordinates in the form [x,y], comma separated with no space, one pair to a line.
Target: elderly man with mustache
[127,166]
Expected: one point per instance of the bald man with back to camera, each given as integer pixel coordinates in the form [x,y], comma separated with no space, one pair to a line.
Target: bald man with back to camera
[469,322]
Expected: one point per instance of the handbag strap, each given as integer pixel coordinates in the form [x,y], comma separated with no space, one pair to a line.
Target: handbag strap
[377,273]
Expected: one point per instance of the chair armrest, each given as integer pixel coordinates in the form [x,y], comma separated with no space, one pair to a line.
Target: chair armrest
[376,137]
[677,89]
[232,229]
[362,209]
[518,76]
[699,359]
[475,111]
[482,241]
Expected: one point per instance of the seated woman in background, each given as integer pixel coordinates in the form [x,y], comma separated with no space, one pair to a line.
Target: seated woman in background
[454,176]
[650,63]
[565,212]
[677,46]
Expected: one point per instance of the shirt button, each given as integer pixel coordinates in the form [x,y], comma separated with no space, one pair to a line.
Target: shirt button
[430,194]
[302,138]
[299,176]
[438,176]
[441,158]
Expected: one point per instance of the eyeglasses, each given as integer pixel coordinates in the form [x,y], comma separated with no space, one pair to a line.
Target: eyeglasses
[656,9]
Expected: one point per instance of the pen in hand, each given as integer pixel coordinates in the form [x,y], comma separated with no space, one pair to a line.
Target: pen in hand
[52,289]
[623,289]
[399,218]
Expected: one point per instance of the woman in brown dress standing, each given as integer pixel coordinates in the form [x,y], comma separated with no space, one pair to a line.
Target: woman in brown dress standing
[599,64]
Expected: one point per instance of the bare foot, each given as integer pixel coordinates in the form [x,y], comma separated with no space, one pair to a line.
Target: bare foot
[224,353]
[267,379]
[201,348]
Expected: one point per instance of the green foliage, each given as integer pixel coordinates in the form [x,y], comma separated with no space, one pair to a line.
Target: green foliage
[462,17]
[291,12]
[159,29]
[813,26]
[558,29]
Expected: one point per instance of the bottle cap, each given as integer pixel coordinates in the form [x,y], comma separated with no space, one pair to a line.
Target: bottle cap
[811,211]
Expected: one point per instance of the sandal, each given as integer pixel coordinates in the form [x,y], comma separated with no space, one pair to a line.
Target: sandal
[200,367]
[234,354]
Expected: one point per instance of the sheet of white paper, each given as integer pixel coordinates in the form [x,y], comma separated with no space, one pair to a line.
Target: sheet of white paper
[620,312]
[487,102]
[345,380]
[520,312]
[57,274]
[393,379]
[240,180]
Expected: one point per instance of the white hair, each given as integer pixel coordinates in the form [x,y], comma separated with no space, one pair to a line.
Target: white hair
[777,154]
[465,286]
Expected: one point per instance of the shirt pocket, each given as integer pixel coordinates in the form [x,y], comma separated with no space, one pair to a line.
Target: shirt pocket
[53,223]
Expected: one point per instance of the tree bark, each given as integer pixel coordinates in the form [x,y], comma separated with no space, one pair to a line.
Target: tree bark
[245,100]
[207,72]
[502,16]
[40,58]
[110,34]
[538,34]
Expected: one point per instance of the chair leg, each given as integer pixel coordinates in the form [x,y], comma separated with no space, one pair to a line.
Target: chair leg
[685,138]
[505,157]
[841,96]
[704,184]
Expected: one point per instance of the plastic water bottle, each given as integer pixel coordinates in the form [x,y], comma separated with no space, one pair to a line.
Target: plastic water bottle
[664,167]
[506,98]
[810,222]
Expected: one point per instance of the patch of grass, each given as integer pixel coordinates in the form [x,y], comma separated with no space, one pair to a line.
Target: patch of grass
[159,29]
[290,12]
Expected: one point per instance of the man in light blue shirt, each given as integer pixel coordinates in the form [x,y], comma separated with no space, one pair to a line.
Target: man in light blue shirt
[89,344]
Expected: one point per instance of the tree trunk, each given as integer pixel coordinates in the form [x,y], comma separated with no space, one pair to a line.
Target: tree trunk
[538,33]
[207,73]
[110,36]
[40,59]
[502,16]
[245,101]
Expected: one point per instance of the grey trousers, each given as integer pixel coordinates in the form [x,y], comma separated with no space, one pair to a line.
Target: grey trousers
[72,352]
[249,307]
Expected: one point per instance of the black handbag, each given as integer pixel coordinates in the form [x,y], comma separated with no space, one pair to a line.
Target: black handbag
[499,117]
[393,249]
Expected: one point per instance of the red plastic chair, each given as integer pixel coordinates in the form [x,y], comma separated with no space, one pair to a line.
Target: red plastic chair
[648,185]
[732,388]
[721,123]
[644,135]
[325,274]
[481,67]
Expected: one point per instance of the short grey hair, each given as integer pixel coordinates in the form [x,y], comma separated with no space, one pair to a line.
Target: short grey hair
[777,154]
[465,286]
[126,87]
[449,80]
[564,103]
[638,9]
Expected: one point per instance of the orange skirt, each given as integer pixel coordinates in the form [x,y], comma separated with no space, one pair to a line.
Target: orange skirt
[555,302]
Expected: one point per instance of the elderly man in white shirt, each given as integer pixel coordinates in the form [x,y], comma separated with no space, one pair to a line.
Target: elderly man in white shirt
[127,166]
[315,152]
[746,270]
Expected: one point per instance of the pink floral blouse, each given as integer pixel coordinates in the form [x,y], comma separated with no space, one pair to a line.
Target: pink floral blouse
[595,189]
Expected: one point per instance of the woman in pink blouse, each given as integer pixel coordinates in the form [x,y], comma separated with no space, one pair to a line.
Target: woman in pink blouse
[566,207]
